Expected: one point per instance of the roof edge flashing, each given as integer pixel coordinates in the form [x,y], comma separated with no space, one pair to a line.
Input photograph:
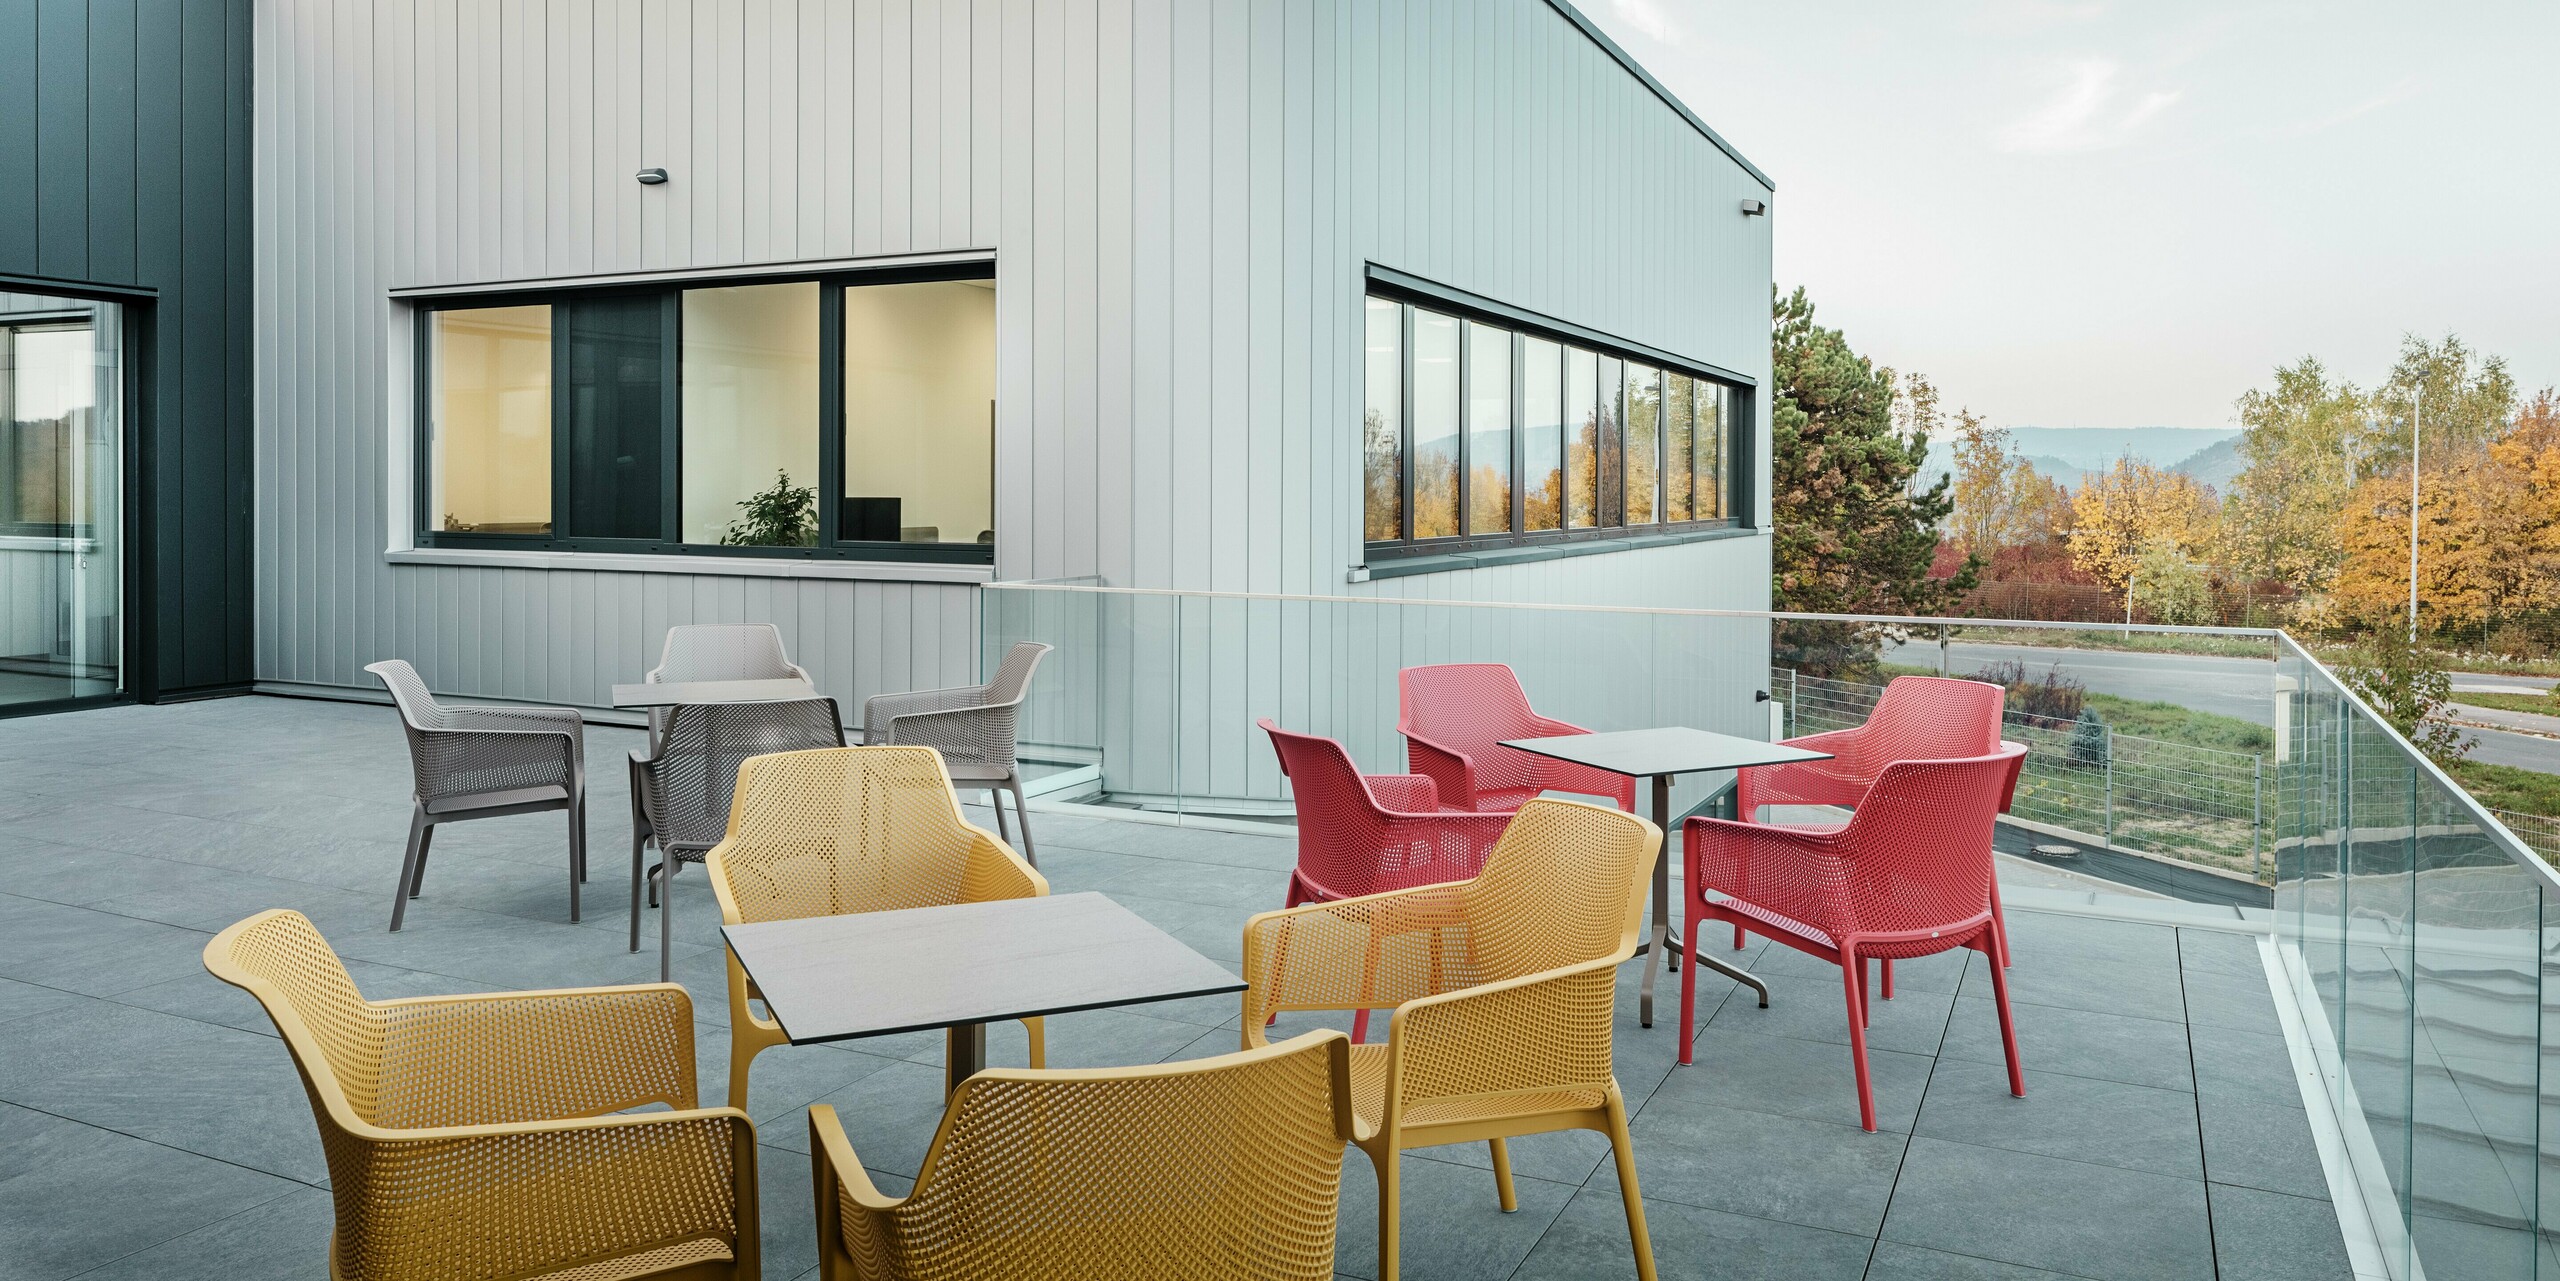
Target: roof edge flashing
[1669,99]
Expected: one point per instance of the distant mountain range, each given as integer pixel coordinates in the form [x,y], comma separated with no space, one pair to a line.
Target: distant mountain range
[2210,454]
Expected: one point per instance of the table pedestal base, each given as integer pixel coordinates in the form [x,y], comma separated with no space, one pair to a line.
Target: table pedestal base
[1662,942]
[964,1054]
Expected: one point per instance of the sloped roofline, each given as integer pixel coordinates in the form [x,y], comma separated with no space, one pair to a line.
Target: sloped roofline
[1669,99]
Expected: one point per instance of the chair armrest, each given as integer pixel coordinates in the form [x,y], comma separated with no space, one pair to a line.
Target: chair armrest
[533,1198]
[440,755]
[950,729]
[1404,793]
[1792,871]
[994,872]
[1544,1031]
[1451,770]
[1356,953]
[880,709]
[1550,727]
[555,719]
[508,1057]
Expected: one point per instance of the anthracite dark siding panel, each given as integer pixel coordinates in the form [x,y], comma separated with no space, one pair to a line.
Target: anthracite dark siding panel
[124,161]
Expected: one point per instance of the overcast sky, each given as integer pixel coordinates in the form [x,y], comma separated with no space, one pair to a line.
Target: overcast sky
[2084,213]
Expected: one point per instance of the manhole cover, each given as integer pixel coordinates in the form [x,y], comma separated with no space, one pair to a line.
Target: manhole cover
[2058,851]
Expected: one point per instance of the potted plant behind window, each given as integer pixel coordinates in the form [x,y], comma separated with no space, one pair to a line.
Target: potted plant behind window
[785,515]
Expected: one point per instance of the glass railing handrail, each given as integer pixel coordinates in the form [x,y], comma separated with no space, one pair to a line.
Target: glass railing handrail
[2487,822]
[2480,815]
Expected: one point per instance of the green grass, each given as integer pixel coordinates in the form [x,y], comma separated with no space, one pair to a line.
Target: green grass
[2177,723]
[2505,787]
[2543,704]
[2136,641]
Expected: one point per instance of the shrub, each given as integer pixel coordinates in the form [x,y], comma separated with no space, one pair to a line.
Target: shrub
[784,516]
[2051,700]
[2090,742]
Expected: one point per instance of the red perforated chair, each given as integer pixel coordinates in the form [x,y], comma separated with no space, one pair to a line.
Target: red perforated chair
[1454,717]
[1908,875]
[1369,833]
[1918,718]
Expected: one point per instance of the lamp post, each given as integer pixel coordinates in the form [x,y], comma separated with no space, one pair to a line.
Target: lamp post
[2417,406]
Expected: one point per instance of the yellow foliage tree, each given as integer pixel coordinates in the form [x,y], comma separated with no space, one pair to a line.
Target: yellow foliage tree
[2120,513]
[2488,531]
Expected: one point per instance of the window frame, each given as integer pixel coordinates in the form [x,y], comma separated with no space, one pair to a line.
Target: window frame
[1410,293]
[830,425]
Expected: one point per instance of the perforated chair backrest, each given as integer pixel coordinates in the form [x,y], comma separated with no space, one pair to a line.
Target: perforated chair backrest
[1929,718]
[844,829]
[337,1039]
[1213,1168]
[691,779]
[418,708]
[1471,708]
[1565,884]
[723,652]
[1917,853]
[1013,676]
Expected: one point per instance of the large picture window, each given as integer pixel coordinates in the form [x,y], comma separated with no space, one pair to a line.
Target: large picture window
[847,417]
[1477,432]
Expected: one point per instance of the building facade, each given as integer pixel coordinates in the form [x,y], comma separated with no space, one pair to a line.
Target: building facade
[572,321]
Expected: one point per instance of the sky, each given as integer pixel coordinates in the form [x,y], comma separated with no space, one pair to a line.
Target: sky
[2117,214]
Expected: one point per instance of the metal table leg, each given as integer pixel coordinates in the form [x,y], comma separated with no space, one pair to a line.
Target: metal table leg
[964,1055]
[1662,942]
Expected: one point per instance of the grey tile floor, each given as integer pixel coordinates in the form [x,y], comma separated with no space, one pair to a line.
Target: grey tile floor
[151,1126]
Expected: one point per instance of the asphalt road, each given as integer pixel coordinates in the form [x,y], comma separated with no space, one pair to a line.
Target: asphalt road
[2241,687]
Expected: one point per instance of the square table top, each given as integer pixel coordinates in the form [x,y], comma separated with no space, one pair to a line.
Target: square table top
[1651,753]
[829,978]
[671,693]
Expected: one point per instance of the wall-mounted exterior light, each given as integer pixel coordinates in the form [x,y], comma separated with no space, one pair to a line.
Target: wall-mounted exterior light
[1750,208]
[652,177]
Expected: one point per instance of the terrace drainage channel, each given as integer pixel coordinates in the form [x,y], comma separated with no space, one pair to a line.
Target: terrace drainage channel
[2130,869]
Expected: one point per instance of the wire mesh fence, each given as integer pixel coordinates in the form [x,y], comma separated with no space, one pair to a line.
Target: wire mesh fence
[2200,805]
[2539,831]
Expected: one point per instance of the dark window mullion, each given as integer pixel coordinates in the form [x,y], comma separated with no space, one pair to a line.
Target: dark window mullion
[1404,418]
[1466,391]
[830,410]
[563,413]
[1519,435]
[671,418]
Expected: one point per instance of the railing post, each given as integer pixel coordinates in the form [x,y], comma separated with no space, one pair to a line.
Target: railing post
[2110,785]
[2257,810]
[1946,660]
[1794,702]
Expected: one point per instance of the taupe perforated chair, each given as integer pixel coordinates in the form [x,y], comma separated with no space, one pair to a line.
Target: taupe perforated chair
[485,762]
[721,652]
[681,785]
[490,1135]
[845,830]
[972,726]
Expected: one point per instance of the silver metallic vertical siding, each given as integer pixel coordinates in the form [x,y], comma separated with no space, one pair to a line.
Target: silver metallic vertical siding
[1181,195]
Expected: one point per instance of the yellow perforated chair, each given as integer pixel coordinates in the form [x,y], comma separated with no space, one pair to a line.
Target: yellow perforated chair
[1503,988]
[468,1136]
[837,830]
[1193,1171]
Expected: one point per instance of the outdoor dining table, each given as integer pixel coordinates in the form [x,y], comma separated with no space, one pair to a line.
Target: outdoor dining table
[959,968]
[1661,755]
[674,693]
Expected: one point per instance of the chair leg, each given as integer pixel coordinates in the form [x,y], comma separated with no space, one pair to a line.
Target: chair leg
[411,862]
[667,909]
[1851,967]
[1360,1027]
[1039,1034]
[1888,978]
[577,855]
[1999,927]
[639,880]
[2008,1029]
[1622,1146]
[742,1053]
[995,801]
[1022,819]
[1388,1245]
[1737,938]
[426,846]
[1502,1177]
[1689,989]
